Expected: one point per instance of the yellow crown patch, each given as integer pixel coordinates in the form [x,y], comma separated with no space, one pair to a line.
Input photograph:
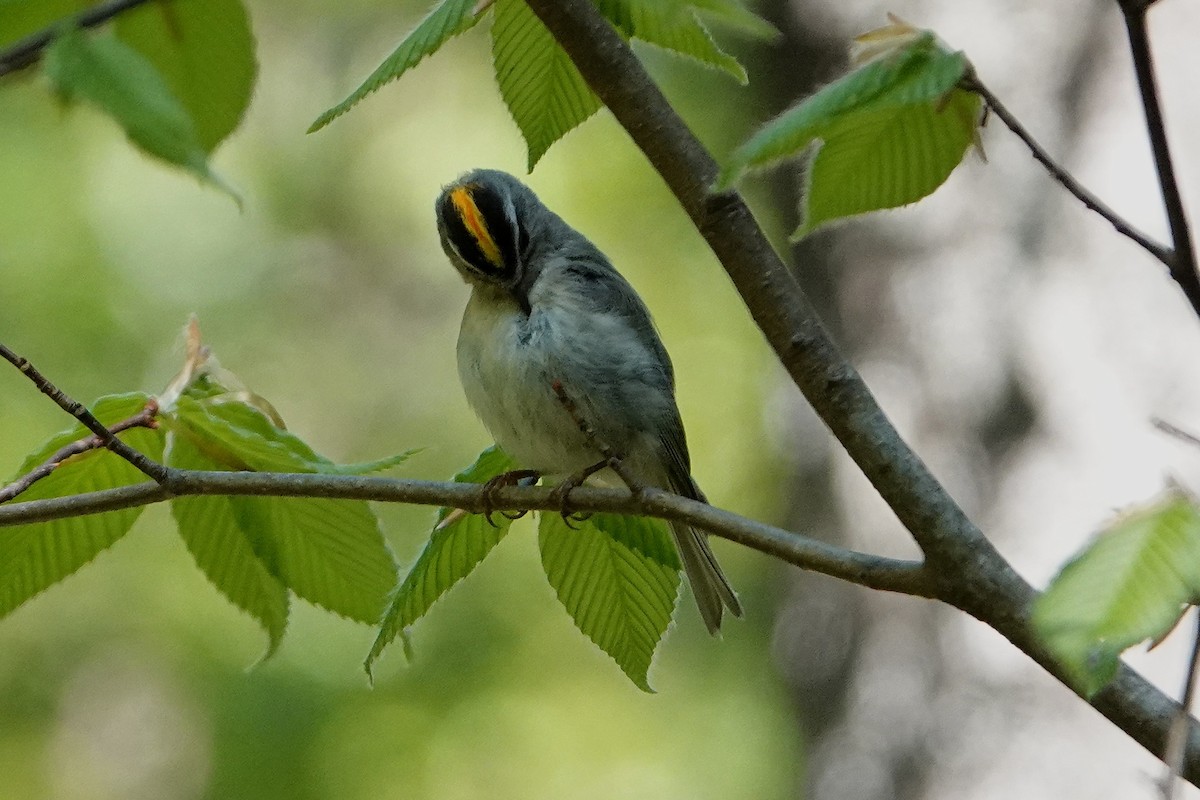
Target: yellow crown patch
[473,221]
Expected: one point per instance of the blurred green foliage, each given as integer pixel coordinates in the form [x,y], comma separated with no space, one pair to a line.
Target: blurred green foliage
[329,294]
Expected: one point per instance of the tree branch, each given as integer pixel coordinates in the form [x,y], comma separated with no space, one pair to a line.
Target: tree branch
[144,419]
[26,52]
[1183,263]
[876,572]
[1177,741]
[1066,179]
[771,293]
[966,569]
[80,412]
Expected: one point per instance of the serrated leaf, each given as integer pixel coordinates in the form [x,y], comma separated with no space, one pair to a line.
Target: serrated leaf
[109,409]
[1127,586]
[889,159]
[369,467]
[447,20]
[618,578]
[672,25]
[123,84]
[330,552]
[223,552]
[885,135]
[543,90]
[36,556]
[449,556]
[204,50]
[240,436]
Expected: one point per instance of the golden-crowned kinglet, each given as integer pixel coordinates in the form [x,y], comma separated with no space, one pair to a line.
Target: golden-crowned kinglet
[548,313]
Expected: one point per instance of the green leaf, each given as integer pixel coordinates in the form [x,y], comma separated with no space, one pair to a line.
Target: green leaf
[241,437]
[369,467]
[20,18]
[672,25]
[449,556]
[545,93]
[447,20]
[734,15]
[618,577]
[1127,586]
[123,84]
[204,50]
[224,552]
[36,556]
[330,552]
[885,135]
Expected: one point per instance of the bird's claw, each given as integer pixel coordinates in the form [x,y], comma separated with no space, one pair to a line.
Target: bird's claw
[562,493]
[562,496]
[505,479]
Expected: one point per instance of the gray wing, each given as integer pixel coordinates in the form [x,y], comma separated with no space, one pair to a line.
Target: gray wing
[611,294]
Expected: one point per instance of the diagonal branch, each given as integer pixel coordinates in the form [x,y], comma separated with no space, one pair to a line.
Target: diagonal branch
[1183,264]
[27,51]
[1068,181]
[876,572]
[144,419]
[774,298]
[966,569]
[1177,741]
[79,411]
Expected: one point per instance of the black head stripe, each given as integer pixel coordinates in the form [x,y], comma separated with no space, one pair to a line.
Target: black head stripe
[477,226]
[499,221]
[461,239]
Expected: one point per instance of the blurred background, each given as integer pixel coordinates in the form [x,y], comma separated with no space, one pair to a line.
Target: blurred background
[1018,342]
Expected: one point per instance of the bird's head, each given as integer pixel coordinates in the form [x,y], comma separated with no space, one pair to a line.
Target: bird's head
[483,221]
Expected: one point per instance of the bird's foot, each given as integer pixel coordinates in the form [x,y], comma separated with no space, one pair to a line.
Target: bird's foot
[562,492]
[516,477]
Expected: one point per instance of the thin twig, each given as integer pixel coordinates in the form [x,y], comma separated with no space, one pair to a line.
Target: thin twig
[27,51]
[143,419]
[1177,738]
[79,411]
[1161,252]
[1183,263]
[864,569]
[1178,433]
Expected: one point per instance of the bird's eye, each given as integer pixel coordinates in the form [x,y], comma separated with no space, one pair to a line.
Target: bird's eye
[476,225]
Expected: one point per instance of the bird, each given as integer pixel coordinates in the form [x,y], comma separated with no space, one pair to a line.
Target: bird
[551,327]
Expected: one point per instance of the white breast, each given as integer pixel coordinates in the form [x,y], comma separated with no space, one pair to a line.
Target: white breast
[503,365]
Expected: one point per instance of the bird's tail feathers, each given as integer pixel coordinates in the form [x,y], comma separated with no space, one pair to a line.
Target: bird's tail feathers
[709,585]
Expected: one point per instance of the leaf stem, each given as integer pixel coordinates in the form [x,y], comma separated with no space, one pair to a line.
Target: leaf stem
[26,52]
[1161,252]
[157,472]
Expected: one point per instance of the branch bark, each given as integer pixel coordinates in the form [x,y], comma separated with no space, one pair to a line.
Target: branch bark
[80,412]
[1068,181]
[875,572]
[27,51]
[143,419]
[1183,263]
[966,569]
